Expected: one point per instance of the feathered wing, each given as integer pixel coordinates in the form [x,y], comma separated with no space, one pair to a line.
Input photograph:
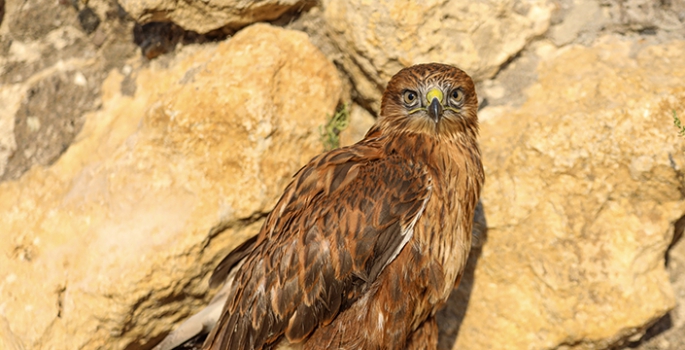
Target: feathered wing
[231,260]
[346,215]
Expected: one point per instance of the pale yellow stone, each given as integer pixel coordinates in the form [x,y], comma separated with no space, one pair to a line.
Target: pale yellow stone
[114,242]
[204,16]
[583,184]
[360,122]
[378,38]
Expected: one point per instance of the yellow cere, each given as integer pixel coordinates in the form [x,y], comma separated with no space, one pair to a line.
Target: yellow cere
[434,93]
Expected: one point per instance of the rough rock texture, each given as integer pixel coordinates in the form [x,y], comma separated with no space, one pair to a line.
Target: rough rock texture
[644,15]
[584,184]
[584,20]
[574,18]
[110,245]
[207,15]
[51,70]
[668,332]
[360,122]
[379,38]
[2,10]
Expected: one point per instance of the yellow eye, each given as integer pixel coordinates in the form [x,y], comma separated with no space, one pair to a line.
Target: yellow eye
[410,97]
[457,96]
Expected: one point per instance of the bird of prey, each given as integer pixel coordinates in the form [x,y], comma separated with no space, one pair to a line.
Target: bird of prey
[367,241]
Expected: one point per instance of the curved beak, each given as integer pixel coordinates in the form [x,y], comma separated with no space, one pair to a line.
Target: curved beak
[434,101]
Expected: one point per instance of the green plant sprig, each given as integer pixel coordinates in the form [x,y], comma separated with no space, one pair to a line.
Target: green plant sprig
[678,124]
[330,133]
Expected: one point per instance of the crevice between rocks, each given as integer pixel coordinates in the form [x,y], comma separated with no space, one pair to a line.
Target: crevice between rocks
[2,10]
[60,300]
[232,224]
[678,229]
[159,38]
[665,323]
[660,326]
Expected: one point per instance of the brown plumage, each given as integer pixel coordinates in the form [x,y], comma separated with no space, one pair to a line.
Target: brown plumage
[367,241]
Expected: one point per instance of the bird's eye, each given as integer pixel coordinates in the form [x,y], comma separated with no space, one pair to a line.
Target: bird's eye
[410,97]
[457,96]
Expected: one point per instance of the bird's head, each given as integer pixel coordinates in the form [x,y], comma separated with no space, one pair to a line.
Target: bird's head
[433,98]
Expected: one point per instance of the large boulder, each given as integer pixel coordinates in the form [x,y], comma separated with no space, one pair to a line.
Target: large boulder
[207,15]
[378,38]
[584,183]
[114,242]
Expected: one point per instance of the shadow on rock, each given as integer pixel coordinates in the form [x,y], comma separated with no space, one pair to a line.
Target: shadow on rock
[158,38]
[666,332]
[451,317]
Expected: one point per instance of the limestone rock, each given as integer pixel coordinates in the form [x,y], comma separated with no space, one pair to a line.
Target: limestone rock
[584,184]
[667,333]
[379,38]
[360,122]
[581,16]
[50,76]
[2,10]
[114,242]
[207,15]
[8,340]
[637,15]
[583,21]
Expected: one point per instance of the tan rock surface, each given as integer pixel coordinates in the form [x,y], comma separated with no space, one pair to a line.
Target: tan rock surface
[379,38]
[110,245]
[584,183]
[667,333]
[360,122]
[207,15]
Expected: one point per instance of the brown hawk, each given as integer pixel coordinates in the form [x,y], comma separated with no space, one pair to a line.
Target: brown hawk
[367,241]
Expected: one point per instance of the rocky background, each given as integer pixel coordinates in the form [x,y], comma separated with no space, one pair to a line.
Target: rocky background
[140,141]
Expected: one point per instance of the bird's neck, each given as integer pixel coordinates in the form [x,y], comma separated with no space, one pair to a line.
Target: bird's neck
[445,154]
[455,161]
[430,148]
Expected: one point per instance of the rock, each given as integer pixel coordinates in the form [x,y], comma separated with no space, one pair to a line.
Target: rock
[50,76]
[583,21]
[379,38]
[360,122]
[642,15]
[114,242]
[8,144]
[207,15]
[583,16]
[8,340]
[157,38]
[2,10]
[89,20]
[583,185]
[49,117]
[668,332]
